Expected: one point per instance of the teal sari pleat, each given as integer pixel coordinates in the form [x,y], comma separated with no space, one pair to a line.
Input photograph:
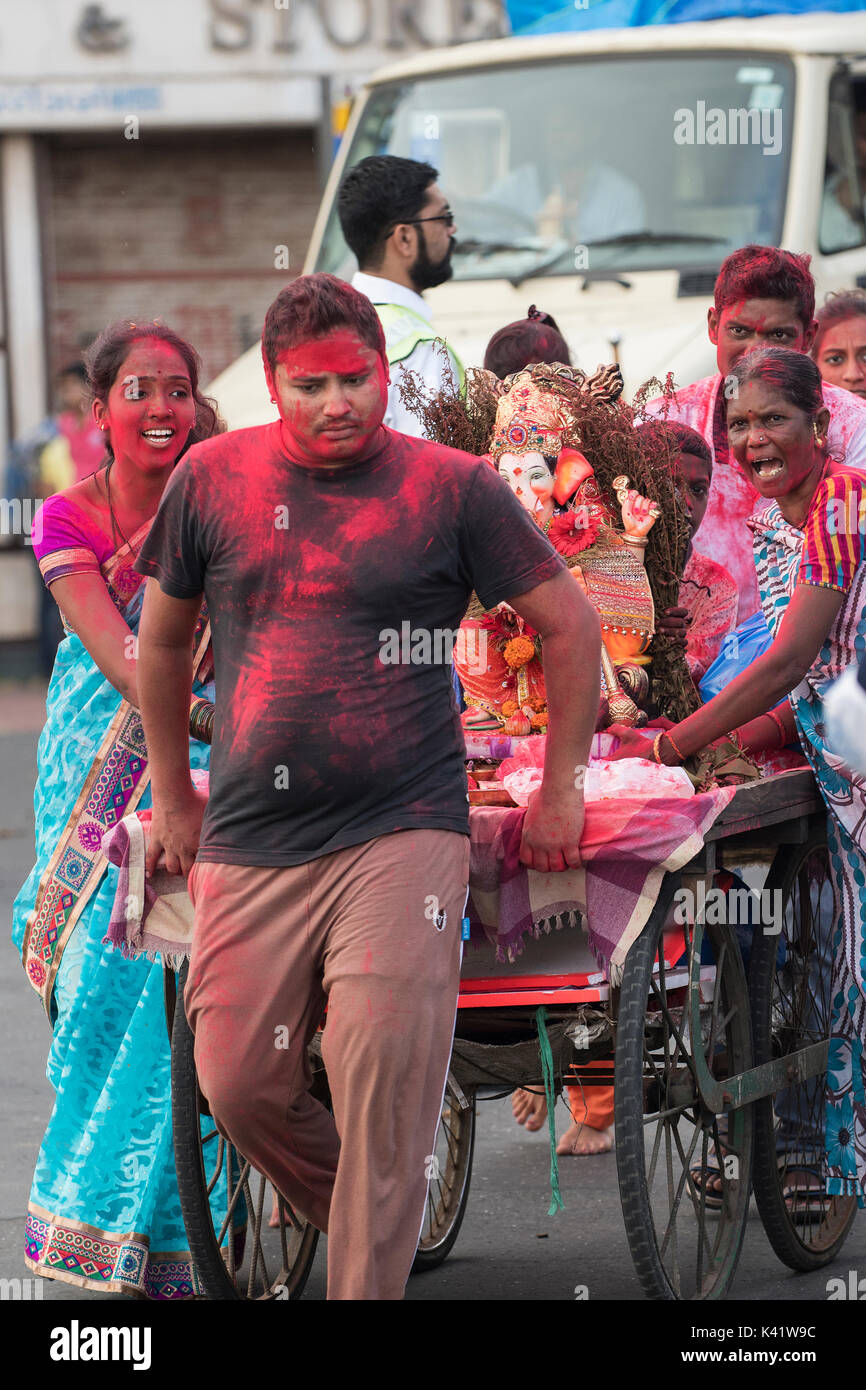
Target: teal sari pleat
[104,1211]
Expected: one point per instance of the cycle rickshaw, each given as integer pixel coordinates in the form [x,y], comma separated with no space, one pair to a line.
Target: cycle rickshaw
[711,1068]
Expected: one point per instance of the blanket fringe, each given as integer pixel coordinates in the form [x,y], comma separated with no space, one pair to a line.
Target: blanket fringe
[542,927]
[162,955]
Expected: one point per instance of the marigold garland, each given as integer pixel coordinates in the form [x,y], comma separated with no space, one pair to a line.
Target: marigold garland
[519,652]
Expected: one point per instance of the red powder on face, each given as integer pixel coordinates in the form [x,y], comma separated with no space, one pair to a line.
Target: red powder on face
[342,353]
[332,395]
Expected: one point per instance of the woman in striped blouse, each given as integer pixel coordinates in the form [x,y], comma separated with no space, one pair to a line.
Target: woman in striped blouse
[810,555]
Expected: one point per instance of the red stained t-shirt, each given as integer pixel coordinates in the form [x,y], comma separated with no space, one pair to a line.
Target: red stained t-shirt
[311,577]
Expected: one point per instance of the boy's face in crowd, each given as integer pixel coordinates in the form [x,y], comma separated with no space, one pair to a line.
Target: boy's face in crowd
[746,324]
[332,395]
[697,476]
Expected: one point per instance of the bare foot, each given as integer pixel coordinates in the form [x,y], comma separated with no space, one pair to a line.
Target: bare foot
[581,1140]
[274,1219]
[530,1108]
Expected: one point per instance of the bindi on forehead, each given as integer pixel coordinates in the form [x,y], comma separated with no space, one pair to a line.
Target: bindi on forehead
[340,354]
[151,357]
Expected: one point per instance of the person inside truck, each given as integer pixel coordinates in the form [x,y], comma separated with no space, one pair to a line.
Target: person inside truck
[764,297]
[571,193]
[839,348]
[843,204]
[397,222]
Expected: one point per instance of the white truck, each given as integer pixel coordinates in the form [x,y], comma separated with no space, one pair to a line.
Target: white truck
[605,176]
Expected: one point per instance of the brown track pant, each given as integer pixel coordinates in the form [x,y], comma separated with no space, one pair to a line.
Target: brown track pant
[355,930]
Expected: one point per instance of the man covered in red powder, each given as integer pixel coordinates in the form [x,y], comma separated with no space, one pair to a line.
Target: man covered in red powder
[763,297]
[332,863]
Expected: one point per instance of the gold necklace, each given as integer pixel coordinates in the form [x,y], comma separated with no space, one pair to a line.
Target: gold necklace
[114,522]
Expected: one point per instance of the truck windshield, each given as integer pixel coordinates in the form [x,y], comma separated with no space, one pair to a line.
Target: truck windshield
[594,164]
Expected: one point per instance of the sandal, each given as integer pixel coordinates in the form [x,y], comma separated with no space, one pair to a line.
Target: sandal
[802,1202]
[699,1176]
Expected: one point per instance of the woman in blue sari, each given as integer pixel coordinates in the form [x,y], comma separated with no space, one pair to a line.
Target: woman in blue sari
[104,1210]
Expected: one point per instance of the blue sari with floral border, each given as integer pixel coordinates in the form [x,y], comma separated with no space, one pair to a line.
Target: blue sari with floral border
[104,1211]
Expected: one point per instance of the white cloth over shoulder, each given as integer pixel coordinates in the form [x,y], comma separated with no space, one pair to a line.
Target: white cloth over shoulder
[845,716]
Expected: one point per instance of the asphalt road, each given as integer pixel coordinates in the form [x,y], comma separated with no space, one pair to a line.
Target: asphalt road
[508,1249]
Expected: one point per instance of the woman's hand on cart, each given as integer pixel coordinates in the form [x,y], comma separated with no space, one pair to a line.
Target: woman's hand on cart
[175,831]
[551,831]
[636,743]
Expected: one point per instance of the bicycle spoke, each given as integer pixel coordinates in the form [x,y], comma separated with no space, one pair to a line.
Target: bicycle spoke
[655,1155]
[219,1162]
[674,1248]
[258,1208]
[717,996]
[702,1210]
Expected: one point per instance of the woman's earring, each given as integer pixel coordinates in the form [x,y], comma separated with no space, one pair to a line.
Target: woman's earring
[818,438]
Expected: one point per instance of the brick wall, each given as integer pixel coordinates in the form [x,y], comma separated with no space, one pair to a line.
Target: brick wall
[180,227]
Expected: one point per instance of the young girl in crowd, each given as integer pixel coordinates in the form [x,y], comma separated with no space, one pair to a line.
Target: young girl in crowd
[839,347]
[104,1211]
[810,556]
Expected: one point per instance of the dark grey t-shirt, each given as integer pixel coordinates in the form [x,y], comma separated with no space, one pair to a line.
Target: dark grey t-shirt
[334,597]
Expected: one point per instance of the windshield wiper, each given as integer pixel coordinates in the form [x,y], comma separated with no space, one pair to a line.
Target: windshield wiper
[490,248]
[650,239]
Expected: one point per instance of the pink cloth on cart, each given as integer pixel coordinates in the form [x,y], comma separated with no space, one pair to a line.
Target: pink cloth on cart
[628,845]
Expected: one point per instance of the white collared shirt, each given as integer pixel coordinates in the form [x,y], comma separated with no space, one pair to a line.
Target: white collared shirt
[424,359]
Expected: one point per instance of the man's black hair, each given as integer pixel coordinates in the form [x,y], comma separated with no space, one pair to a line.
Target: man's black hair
[375,196]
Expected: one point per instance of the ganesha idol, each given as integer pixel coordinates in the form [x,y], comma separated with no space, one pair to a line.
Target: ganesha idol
[537,427]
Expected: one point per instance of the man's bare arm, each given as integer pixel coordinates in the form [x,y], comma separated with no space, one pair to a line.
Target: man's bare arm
[571,641]
[164,684]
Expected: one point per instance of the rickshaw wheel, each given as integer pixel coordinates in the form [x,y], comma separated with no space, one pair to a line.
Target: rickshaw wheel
[450,1168]
[226,1204]
[789,983]
[682,1245]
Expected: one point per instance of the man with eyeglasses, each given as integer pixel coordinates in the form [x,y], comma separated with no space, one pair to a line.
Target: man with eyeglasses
[397,222]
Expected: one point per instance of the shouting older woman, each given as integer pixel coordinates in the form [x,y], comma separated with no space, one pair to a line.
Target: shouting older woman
[810,554]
